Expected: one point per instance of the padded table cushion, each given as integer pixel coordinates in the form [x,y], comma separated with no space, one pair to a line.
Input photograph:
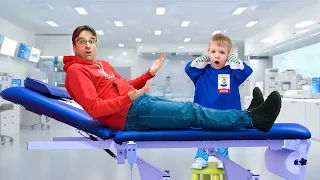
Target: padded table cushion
[46,89]
[55,109]
[79,119]
[279,131]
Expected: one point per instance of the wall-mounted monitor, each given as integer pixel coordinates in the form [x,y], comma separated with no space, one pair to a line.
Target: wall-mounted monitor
[1,38]
[34,55]
[23,51]
[8,46]
[315,85]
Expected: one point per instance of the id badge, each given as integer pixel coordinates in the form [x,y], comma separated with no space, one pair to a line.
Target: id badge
[224,83]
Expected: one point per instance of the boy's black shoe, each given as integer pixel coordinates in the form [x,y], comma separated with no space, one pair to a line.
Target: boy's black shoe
[257,98]
[263,116]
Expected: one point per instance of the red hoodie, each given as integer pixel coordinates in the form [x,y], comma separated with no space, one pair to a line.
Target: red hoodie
[101,91]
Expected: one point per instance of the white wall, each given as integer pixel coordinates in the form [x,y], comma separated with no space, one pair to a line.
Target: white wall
[16,66]
[11,64]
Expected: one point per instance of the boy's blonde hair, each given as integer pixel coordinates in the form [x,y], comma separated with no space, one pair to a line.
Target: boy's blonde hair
[221,39]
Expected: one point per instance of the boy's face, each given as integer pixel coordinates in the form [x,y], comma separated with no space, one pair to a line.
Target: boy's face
[218,54]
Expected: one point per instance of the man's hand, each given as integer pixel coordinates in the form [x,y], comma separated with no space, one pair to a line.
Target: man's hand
[136,93]
[157,65]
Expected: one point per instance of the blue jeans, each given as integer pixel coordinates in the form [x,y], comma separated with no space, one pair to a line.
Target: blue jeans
[149,113]
[202,153]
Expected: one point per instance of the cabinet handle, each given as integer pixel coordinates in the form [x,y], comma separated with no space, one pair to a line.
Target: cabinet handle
[293,101]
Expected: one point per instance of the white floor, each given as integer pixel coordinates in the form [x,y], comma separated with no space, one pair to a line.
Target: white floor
[17,163]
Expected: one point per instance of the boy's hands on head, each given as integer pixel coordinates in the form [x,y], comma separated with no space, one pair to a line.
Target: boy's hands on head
[201,62]
[234,62]
[136,93]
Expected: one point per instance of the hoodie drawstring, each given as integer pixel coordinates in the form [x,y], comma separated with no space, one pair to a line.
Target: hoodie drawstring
[101,70]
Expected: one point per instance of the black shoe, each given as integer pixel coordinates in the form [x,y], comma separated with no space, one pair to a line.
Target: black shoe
[263,116]
[257,98]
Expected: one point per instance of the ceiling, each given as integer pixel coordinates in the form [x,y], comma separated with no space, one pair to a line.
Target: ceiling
[140,20]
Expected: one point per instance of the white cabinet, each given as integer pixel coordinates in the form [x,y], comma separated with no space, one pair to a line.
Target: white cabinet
[293,111]
[10,121]
[313,119]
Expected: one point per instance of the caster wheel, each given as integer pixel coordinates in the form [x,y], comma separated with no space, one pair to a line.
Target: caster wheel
[11,140]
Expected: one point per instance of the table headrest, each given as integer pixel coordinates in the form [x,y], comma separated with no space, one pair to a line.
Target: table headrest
[46,89]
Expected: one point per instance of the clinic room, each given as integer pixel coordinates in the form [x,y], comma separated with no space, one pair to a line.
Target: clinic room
[159,90]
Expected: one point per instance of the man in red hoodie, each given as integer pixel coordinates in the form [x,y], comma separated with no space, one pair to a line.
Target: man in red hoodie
[123,105]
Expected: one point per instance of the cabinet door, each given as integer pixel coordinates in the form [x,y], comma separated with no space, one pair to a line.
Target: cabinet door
[4,125]
[294,111]
[313,119]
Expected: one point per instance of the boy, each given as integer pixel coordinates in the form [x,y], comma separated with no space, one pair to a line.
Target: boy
[217,84]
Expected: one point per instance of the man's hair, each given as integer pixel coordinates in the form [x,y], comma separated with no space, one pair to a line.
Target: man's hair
[221,39]
[79,29]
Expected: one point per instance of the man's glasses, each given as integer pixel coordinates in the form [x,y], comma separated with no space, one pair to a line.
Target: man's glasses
[84,42]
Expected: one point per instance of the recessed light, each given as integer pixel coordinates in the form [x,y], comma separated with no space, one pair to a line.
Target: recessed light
[124,53]
[81,10]
[138,39]
[161,11]
[251,23]
[239,10]
[51,23]
[100,32]
[304,24]
[315,34]
[181,47]
[120,45]
[302,31]
[157,32]
[118,23]
[185,23]
[140,47]
[215,32]
[268,40]
[187,39]
[110,57]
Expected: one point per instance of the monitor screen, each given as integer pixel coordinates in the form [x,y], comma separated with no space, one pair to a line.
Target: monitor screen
[315,85]
[8,46]
[23,51]
[1,37]
[34,55]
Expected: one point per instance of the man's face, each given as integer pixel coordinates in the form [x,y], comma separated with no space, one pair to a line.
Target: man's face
[85,46]
[224,81]
[218,54]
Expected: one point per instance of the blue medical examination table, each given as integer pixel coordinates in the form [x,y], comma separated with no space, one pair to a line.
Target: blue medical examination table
[44,99]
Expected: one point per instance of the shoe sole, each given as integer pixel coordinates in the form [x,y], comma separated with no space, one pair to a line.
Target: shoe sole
[259,94]
[278,105]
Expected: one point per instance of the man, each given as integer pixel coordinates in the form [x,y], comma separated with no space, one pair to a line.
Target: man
[123,105]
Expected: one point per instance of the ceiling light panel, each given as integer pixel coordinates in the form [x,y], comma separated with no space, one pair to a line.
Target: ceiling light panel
[99,32]
[304,24]
[268,40]
[187,39]
[138,39]
[81,10]
[51,23]
[239,10]
[157,32]
[251,23]
[185,23]
[120,45]
[118,23]
[161,11]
